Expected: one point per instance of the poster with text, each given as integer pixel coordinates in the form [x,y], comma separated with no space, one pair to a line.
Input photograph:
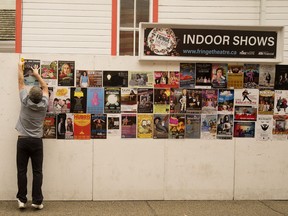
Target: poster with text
[144,125]
[264,127]
[95,100]
[49,72]
[66,73]
[161,126]
[187,75]
[128,125]
[82,126]
[140,79]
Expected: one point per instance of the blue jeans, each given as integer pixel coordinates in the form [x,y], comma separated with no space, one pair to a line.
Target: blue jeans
[29,147]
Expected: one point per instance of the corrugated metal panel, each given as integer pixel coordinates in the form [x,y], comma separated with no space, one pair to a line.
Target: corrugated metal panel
[67,26]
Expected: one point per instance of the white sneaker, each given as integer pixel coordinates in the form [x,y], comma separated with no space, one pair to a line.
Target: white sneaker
[21,205]
[39,207]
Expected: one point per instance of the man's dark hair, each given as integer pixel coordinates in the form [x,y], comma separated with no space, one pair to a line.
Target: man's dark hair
[35,94]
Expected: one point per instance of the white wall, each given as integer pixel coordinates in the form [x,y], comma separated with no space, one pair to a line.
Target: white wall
[140,169]
[8,4]
[67,26]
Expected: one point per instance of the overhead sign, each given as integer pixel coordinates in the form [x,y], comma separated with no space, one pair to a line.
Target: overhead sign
[177,42]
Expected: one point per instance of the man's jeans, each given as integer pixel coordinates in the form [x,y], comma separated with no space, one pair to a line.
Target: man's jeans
[28,147]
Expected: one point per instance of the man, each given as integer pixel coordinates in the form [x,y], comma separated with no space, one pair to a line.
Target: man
[29,144]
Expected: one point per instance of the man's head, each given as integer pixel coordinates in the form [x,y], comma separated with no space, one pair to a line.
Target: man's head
[35,94]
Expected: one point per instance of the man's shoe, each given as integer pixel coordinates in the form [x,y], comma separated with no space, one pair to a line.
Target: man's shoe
[21,205]
[39,207]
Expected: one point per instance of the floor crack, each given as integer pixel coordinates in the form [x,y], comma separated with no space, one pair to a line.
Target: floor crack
[272,208]
[151,209]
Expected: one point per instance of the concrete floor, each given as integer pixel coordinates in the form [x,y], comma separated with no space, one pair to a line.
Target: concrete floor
[150,208]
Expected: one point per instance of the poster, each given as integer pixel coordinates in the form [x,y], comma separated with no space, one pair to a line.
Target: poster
[219,75]
[29,79]
[82,126]
[49,72]
[161,100]
[61,101]
[95,100]
[98,126]
[145,100]
[235,76]
[66,73]
[264,126]
[49,126]
[115,78]
[140,79]
[177,126]
[69,125]
[187,75]
[266,102]
[78,100]
[226,101]
[251,76]
[128,125]
[193,126]
[208,126]
[112,100]
[244,129]
[113,124]
[129,100]
[266,76]
[144,125]
[224,126]
[161,126]
[209,101]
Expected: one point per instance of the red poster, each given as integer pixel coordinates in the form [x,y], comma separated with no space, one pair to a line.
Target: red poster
[82,126]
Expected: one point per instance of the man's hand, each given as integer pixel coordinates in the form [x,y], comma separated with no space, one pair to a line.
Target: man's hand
[21,84]
[35,70]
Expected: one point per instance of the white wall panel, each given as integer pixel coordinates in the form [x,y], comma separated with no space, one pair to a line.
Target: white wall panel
[66,27]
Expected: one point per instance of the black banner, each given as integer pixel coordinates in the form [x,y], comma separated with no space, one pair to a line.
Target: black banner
[210,43]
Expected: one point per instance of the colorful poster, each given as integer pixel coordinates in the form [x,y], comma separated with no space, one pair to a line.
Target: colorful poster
[66,73]
[187,75]
[280,103]
[161,126]
[69,125]
[113,124]
[224,126]
[209,101]
[246,97]
[141,79]
[49,126]
[178,100]
[50,108]
[203,75]
[161,100]
[266,102]
[78,100]
[235,76]
[82,126]
[129,100]
[208,126]
[194,101]
[61,128]
[280,124]
[95,100]
[226,101]
[29,78]
[166,79]
[88,78]
[145,100]
[144,125]
[128,125]
[193,126]
[219,75]
[98,126]
[112,97]
[61,101]
[281,77]
[251,76]
[177,126]
[245,113]
[49,72]
[266,76]
[264,127]
[115,78]
[244,129]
